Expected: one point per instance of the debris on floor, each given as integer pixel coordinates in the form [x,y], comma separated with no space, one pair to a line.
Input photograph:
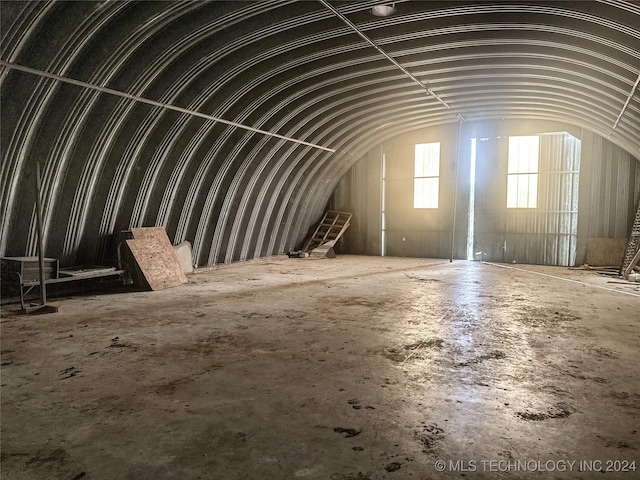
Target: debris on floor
[260,371]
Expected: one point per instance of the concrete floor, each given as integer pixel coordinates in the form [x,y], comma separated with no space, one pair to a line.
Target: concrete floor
[349,368]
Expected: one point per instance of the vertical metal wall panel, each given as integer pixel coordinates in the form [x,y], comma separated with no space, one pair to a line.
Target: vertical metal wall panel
[543,235]
[410,232]
[613,177]
[562,154]
[550,234]
[417,232]
[359,192]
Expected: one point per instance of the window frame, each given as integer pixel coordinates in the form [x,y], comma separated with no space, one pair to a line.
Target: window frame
[523,181]
[422,202]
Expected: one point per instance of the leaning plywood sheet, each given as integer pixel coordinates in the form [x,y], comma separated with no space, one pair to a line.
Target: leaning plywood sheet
[159,269]
[605,251]
[156,258]
[160,234]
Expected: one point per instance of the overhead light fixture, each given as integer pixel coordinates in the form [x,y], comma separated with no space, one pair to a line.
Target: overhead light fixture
[383,10]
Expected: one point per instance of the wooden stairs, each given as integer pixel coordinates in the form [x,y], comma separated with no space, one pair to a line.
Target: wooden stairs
[327,233]
[632,252]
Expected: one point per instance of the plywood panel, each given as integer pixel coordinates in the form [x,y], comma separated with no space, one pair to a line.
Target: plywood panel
[156,258]
[159,234]
[605,251]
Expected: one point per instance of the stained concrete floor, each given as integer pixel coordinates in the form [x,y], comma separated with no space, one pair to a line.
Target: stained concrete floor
[349,368]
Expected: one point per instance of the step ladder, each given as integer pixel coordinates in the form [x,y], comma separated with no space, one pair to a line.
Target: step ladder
[632,252]
[327,233]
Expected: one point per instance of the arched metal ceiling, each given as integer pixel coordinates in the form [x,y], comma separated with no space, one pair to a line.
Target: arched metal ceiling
[294,68]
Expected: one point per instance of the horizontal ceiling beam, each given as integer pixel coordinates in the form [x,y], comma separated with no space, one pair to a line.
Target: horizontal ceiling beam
[136,98]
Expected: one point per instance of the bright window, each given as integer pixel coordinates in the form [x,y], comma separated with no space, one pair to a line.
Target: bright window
[522,172]
[426,181]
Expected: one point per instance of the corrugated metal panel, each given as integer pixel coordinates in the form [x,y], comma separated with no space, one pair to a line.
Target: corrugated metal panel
[544,235]
[409,232]
[285,66]
[416,232]
[612,188]
[554,233]
[359,192]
